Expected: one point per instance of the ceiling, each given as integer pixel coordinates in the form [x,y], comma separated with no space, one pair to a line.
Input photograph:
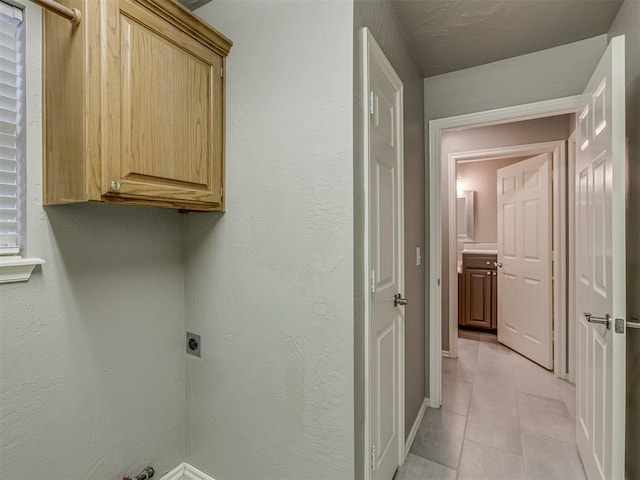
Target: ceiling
[449,35]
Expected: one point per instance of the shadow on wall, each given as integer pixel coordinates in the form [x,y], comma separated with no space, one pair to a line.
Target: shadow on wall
[93,345]
[114,269]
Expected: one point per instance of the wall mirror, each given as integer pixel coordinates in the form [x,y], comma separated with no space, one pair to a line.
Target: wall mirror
[464,214]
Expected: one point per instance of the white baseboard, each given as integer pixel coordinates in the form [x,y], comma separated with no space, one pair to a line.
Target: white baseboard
[175,474]
[414,428]
[185,470]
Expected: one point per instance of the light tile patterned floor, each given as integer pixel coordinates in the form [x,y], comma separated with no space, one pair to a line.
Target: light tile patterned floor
[502,417]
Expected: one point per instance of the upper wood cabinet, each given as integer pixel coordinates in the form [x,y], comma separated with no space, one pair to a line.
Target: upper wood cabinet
[134,106]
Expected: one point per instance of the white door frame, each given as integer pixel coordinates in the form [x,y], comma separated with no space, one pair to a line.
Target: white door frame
[530,111]
[370,46]
[571,259]
[557,150]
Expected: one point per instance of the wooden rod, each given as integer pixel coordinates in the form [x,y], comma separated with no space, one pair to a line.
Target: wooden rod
[72,14]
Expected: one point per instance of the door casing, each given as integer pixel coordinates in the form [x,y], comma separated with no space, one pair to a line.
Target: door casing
[557,149]
[530,111]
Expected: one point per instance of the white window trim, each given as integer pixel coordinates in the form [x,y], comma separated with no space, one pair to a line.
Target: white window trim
[13,267]
[17,269]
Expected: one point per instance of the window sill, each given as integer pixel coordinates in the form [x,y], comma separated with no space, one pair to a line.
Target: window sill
[17,269]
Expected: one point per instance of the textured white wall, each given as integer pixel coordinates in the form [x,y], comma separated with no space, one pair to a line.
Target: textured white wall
[627,23]
[381,19]
[92,347]
[269,284]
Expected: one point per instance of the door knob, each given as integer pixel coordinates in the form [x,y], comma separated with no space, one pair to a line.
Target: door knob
[497,264]
[599,320]
[398,300]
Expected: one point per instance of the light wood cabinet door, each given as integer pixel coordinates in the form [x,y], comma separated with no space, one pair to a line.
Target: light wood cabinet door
[168,110]
[134,106]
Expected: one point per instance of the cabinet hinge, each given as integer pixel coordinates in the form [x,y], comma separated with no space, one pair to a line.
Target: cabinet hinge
[221,72]
[221,192]
[371,103]
[373,458]
[373,281]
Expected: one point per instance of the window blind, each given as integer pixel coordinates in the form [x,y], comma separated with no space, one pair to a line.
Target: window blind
[11,126]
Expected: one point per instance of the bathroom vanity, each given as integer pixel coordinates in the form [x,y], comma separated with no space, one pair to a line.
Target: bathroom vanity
[478,291]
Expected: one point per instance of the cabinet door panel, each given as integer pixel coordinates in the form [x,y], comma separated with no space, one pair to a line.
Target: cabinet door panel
[494,300]
[170,89]
[477,290]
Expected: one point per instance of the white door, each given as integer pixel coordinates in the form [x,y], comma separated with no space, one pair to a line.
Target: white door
[600,269]
[386,260]
[525,317]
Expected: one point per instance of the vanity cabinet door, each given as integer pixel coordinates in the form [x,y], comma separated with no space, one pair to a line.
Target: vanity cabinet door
[494,300]
[477,298]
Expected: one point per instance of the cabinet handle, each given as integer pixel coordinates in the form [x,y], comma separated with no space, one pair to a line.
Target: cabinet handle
[115,185]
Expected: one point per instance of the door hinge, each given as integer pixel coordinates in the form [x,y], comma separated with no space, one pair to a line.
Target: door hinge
[371,103]
[373,458]
[373,281]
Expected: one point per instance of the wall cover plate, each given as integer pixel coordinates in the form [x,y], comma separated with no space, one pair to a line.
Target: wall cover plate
[193,344]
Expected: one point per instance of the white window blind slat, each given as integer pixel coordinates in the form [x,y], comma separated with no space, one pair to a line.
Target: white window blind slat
[8,203]
[7,165]
[11,117]
[8,90]
[8,103]
[8,153]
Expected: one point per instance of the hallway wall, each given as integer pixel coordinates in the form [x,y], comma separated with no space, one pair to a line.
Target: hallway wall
[269,284]
[627,22]
[381,19]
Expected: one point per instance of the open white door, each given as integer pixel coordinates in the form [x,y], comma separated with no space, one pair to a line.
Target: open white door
[525,317]
[386,261]
[600,269]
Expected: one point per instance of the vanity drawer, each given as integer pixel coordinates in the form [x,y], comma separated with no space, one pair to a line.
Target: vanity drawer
[477,260]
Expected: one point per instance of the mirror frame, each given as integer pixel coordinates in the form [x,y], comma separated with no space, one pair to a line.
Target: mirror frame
[469,217]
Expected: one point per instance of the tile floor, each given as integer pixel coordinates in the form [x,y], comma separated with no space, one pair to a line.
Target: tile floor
[502,417]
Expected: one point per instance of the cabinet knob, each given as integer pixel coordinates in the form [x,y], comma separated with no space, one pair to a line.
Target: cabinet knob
[115,185]
[489,272]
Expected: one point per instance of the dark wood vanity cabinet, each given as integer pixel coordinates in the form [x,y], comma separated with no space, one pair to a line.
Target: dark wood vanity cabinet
[479,292]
